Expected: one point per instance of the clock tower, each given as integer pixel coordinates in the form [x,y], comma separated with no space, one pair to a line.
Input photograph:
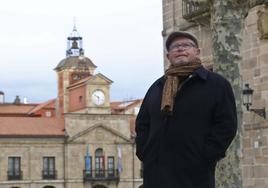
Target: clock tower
[79,89]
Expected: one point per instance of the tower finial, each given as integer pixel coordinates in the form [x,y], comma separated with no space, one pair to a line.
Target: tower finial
[74,29]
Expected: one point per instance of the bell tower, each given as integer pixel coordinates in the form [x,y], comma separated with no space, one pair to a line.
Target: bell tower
[74,44]
[73,68]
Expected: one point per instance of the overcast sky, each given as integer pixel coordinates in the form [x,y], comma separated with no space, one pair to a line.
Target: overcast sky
[122,37]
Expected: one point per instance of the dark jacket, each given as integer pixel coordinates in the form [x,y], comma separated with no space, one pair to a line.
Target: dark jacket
[181,150]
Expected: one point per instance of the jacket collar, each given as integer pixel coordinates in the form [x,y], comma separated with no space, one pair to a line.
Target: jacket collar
[200,72]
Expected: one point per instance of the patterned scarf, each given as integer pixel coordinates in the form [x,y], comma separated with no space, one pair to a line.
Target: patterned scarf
[174,76]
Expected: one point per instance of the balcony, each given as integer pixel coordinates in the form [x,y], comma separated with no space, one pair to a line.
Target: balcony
[195,12]
[101,175]
[49,174]
[14,175]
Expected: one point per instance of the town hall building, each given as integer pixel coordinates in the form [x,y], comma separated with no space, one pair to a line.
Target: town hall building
[79,140]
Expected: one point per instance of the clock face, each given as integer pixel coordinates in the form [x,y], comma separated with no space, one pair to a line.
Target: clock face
[98,97]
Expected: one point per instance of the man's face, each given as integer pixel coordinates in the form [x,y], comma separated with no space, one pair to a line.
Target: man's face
[182,51]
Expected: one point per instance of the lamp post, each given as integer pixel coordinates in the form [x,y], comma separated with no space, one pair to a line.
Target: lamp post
[247,101]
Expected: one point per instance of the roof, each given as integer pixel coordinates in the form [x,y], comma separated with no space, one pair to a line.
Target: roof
[48,104]
[89,78]
[104,77]
[31,126]
[80,62]
[10,108]
[122,106]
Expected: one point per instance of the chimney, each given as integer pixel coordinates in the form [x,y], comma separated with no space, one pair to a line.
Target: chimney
[2,97]
[17,100]
[25,100]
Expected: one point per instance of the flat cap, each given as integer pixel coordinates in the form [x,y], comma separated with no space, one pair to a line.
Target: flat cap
[176,34]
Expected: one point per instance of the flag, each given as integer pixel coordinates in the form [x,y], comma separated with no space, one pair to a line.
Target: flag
[119,164]
[88,162]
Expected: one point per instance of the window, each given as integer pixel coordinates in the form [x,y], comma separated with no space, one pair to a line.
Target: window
[14,171]
[48,114]
[49,171]
[99,162]
[80,99]
[88,166]
[111,166]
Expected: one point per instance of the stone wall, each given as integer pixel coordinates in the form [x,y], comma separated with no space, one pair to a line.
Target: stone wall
[255,72]
[31,151]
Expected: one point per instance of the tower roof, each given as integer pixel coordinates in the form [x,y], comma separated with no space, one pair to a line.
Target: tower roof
[75,62]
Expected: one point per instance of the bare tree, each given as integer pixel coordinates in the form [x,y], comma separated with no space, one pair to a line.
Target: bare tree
[227,23]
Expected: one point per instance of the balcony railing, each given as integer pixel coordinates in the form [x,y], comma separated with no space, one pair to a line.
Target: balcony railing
[101,175]
[193,11]
[49,174]
[14,175]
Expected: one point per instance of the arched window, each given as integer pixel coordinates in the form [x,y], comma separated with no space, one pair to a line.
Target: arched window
[49,186]
[99,186]
[99,163]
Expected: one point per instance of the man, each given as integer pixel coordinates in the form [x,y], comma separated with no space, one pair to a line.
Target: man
[186,122]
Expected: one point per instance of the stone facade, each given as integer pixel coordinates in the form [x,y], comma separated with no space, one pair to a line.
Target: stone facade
[254,72]
[93,149]
[31,152]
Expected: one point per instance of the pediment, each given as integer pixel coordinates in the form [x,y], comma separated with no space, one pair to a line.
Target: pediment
[99,133]
[99,79]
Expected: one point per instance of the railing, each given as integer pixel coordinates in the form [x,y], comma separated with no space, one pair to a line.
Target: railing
[101,175]
[190,10]
[49,174]
[14,175]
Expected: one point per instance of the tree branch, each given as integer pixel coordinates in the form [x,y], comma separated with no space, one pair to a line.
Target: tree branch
[199,2]
[254,3]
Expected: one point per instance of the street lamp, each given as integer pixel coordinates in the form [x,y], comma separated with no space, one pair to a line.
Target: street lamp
[247,101]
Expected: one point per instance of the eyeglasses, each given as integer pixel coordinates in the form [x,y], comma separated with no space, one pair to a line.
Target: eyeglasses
[183,46]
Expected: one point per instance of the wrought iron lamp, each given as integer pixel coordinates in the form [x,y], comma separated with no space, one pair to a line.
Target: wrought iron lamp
[247,101]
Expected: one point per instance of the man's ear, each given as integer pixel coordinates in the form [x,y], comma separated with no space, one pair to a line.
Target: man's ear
[167,55]
[198,51]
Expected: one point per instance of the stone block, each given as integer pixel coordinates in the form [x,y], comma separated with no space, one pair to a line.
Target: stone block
[246,143]
[264,78]
[247,161]
[256,81]
[264,141]
[246,55]
[264,60]
[255,52]
[249,63]
[260,171]
[247,171]
[249,153]
[263,48]
[248,183]
[264,86]
[257,72]
[262,160]
[247,74]
[257,152]
[259,182]
[256,95]
[262,22]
